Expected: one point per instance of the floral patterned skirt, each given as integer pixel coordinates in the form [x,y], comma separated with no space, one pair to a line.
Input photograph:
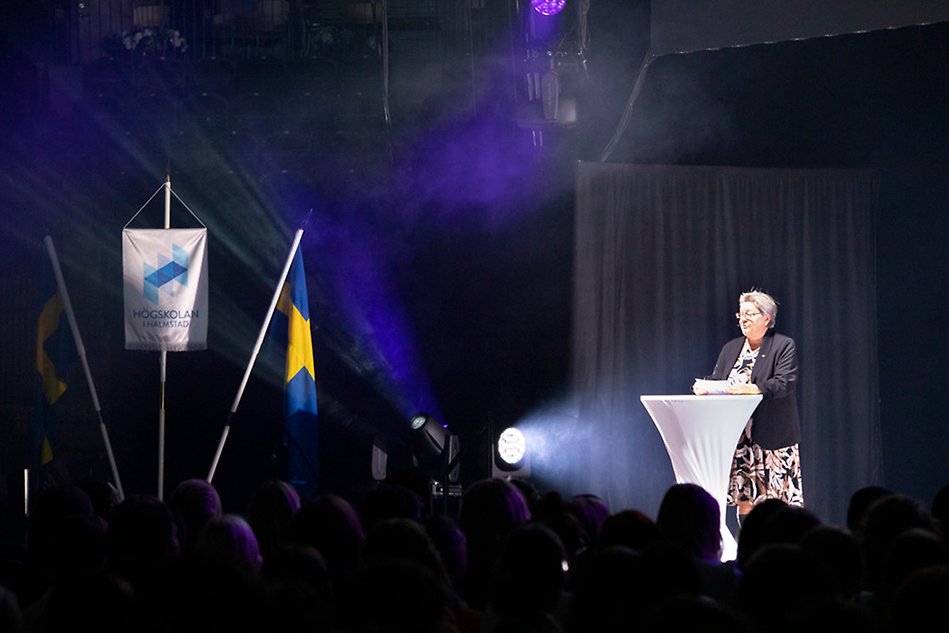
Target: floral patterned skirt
[760,473]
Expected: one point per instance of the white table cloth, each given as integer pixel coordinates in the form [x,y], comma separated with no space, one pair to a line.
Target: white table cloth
[700,434]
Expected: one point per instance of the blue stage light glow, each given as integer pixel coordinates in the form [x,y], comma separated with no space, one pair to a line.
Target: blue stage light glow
[548,7]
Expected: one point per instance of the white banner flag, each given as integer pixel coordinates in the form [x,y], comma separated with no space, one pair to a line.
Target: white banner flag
[166,289]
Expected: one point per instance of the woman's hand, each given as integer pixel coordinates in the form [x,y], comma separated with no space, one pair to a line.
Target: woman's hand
[744,390]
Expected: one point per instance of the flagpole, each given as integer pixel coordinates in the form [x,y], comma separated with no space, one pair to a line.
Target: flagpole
[80,348]
[163,367]
[253,356]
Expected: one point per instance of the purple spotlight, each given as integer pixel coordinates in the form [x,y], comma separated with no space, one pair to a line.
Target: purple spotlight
[548,7]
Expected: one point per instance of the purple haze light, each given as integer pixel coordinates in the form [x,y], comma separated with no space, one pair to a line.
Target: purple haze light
[548,7]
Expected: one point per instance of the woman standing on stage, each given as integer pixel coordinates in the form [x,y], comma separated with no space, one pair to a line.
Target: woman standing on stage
[767,461]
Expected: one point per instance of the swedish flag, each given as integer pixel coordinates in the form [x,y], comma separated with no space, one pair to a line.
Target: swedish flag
[300,377]
[53,342]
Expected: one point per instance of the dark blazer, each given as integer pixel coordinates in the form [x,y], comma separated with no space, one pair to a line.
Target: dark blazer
[776,422]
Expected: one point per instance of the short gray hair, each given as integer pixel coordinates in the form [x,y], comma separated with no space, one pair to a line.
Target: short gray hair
[763,301]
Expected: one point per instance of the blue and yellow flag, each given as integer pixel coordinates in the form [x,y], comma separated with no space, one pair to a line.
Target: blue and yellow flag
[300,379]
[53,345]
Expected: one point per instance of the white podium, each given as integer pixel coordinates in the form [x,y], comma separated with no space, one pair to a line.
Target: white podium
[700,434]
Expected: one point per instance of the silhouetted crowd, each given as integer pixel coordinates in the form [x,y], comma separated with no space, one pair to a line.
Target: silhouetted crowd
[511,559]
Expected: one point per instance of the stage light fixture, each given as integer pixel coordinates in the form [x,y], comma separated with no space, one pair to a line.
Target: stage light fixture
[380,460]
[548,7]
[436,450]
[429,434]
[510,454]
[419,421]
[511,446]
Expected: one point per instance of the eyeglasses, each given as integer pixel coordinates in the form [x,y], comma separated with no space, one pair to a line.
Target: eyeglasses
[746,315]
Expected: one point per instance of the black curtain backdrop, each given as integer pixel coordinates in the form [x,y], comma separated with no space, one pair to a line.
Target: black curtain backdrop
[661,256]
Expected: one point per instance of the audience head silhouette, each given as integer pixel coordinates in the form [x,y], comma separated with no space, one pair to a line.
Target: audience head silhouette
[141,538]
[753,534]
[530,574]
[330,524]
[802,579]
[389,501]
[690,518]
[940,509]
[270,509]
[194,502]
[230,539]
[629,528]
[886,519]
[860,502]
[490,510]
